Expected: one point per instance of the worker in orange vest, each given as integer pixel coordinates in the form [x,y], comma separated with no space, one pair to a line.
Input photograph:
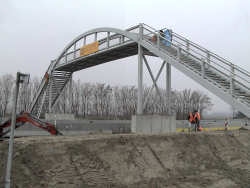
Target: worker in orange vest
[194,120]
[197,119]
[191,120]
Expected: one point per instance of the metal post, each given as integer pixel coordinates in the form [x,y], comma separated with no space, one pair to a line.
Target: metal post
[55,121]
[75,50]
[179,54]
[168,86]
[95,36]
[120,39]
[84,41]
[108,36]
[50,94]
[203,68]
[11,139]
[140,75]
[188,47]
[232,79]
[158,40]
[71,92]
[208,59]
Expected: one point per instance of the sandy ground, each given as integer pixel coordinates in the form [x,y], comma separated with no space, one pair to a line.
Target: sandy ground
[211,160]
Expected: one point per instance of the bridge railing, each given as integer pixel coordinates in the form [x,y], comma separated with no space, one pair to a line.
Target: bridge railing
[106,40]
[236,75]
[41,86]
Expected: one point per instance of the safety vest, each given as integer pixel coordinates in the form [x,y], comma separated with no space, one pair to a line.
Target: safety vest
[197,115]
[191,118]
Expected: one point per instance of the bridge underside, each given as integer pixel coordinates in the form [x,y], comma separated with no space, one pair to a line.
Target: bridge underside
[112,54]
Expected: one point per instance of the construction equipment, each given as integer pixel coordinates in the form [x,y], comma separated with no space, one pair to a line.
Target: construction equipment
[26,117]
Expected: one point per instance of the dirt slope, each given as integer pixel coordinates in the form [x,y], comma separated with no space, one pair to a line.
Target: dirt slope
[175,161]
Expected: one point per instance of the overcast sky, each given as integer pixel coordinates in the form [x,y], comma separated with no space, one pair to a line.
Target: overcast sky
[34,32]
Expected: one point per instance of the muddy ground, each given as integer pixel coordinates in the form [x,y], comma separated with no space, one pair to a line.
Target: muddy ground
[214,160]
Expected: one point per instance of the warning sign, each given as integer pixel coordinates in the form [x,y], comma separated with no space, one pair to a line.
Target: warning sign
[89,49]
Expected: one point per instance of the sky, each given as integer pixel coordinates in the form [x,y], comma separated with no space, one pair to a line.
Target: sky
[32,33]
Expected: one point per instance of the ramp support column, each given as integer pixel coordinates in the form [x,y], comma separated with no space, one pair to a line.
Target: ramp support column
[71,92]
[140,75]
[168,85]
[50,94]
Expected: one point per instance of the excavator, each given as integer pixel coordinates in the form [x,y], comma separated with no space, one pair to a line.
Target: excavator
[25,117]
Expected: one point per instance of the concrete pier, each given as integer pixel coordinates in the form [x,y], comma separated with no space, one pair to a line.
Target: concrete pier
[153,124]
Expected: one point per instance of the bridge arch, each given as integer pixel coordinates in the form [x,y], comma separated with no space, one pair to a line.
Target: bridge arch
[117,33]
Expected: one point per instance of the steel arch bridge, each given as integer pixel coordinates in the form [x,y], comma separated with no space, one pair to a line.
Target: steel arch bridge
[221,77]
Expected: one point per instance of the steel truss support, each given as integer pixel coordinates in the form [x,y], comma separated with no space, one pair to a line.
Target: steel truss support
[50,94]
[153,79]
[140,82]
[140,74]
[168,86]
[71,91]
[42,103]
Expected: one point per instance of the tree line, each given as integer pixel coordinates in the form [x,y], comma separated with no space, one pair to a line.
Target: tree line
[102,101]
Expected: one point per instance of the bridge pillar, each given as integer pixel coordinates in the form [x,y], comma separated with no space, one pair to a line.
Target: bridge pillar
[140,81]
[70,92]
[50,94]
[140,75]
[168,85]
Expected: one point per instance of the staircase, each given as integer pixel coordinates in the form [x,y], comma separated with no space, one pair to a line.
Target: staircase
[50,89]
[221,77]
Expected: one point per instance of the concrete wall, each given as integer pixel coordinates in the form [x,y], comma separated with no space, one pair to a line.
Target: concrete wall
[153,124]
[49,116]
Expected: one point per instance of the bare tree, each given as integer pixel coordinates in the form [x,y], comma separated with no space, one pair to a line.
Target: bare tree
[7,85]
[104,101]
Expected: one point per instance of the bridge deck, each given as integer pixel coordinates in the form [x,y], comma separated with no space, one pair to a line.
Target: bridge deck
[100,57]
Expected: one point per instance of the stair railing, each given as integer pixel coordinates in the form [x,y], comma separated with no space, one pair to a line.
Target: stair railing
[235,74]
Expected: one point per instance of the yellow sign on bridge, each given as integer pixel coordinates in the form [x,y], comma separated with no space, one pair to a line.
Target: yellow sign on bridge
[89,49]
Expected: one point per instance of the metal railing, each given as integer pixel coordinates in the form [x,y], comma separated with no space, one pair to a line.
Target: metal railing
[223,67]
[109,41]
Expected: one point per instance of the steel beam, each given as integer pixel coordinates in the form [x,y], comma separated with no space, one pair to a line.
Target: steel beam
[12,133]
[156,79]
[50,94]
[168,85]
[140,76]
[152,76]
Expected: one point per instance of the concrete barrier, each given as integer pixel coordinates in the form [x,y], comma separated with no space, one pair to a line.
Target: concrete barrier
[49,116]
[153,124]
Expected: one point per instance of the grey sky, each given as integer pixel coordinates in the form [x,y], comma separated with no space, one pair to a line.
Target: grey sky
[34,32]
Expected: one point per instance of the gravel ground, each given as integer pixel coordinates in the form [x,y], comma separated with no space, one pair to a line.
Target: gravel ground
[103,160]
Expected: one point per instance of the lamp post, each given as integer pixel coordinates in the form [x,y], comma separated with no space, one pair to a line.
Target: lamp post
[20,78]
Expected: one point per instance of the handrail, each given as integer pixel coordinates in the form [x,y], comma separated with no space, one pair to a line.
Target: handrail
[212,54]
[190,50]
[226,62]
[228,65]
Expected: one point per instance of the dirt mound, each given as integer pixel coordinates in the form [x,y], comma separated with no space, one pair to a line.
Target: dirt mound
[175,161]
